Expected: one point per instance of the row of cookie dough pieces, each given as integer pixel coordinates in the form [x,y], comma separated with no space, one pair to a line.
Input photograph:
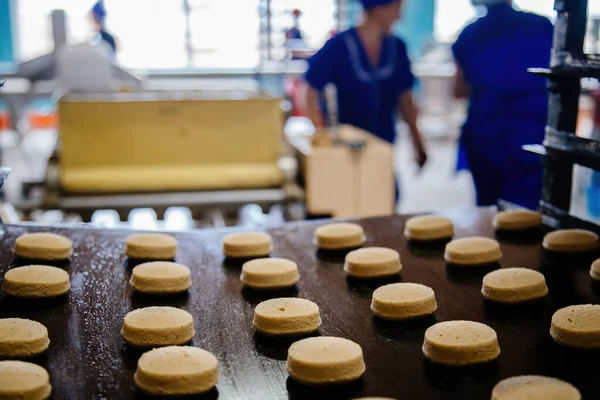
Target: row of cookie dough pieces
[23,338]
[157,246]
[170,369]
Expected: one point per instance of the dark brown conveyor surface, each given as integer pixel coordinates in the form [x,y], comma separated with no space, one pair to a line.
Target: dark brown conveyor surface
[88,359]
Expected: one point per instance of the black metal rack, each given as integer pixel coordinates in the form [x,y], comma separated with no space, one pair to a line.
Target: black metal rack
[562,149]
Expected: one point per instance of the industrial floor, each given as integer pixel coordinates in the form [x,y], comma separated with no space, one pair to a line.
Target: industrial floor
[436,187]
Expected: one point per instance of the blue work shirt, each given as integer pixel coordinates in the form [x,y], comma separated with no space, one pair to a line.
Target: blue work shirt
[367,95]
[508,106]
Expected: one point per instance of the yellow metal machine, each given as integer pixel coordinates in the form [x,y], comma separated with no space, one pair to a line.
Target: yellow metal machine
[159,149]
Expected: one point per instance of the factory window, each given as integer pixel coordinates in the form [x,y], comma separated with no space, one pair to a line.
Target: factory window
[154,34]
[223,33]
[149,33]
[35,29]
[452,16]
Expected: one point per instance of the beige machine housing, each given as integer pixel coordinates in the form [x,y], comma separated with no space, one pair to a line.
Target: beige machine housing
[169,141]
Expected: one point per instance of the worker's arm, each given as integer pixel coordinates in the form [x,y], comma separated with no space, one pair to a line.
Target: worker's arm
[313,107]
[409,111]
[461,87]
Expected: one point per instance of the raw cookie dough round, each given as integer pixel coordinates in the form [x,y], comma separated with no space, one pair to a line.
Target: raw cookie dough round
[43,246]
[247,245]
[595,270]
[36,281]
[533,387]
[20,338]
[21,380]
[473,251]
[287,316]
[577,326]
[460,343]
[517,220]
[339,236]
[325,360]
[571,241]
[514,285]
[400,301]
[176,371]
[269,274]
[161,277]
[151,246]
[158,326]
[428,227]
[372,262]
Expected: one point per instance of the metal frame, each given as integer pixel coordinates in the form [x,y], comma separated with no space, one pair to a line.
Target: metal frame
[562,148]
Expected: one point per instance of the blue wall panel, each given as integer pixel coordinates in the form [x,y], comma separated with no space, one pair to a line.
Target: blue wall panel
[416,26]
[7,56]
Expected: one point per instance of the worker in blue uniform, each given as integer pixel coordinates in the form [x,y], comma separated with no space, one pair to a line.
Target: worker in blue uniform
[98,14]
[294,32]
[508,107]
[295,39]
[371,71]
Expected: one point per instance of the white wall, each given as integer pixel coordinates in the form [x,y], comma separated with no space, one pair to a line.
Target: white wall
[453,15]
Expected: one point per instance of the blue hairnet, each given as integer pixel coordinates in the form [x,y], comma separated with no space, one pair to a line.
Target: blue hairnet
[99,11]
[367,4]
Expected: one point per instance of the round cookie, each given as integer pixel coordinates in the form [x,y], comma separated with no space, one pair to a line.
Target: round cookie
[21,380]
[514,285]
[595,270]
[176,371]
[158,326]
[43,246]
[532,387]
[269,274]
[473,251]
[287,316]
[577,326]
[517,220]
[460,343]
[161,277]
[325,360]
[571,241]
[151,246]
[428,227]
[400,301]
[339,236]
[247,245]
[21,338]
[36,281]
[372,262]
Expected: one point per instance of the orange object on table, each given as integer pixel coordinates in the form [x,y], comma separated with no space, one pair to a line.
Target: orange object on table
[41,120]
[4,120]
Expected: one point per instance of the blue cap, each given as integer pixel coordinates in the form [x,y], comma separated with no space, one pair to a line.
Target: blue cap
[368,4]
[98,11]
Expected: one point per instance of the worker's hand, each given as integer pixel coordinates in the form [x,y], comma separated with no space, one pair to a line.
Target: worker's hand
[420,154]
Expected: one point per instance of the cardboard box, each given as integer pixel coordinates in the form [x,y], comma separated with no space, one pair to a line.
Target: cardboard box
[347,183]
